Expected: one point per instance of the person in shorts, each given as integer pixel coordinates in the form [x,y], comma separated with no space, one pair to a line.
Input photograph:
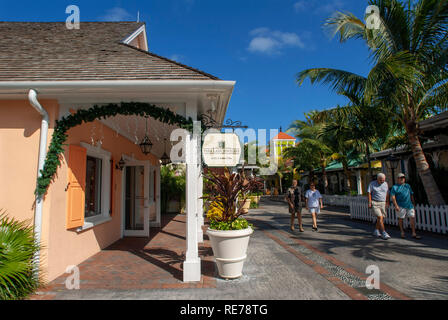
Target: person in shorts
[294,199]
[403,200]
[313,203]
[378,195]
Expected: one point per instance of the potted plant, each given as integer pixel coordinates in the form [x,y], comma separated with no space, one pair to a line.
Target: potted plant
[229,233]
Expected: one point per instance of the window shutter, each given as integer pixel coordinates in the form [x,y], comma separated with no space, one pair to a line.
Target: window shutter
[112,166]
[77,159]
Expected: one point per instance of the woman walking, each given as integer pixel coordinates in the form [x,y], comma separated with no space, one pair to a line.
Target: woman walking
[294,199]
[313,203]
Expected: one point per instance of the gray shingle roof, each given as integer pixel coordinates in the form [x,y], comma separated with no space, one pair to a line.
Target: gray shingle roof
[48,51]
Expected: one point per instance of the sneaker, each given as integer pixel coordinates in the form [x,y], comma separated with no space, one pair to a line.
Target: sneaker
[376,233]
[385,236]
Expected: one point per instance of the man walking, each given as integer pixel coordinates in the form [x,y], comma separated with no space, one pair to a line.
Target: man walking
[403,200]
[378,193]
[294,199]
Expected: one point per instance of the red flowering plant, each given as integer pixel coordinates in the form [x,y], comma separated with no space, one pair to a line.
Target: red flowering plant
[226,194]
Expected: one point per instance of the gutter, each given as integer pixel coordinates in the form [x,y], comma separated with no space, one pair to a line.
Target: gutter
[107,84]
[32,97]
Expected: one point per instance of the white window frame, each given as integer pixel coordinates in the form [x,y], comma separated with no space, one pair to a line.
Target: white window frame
[105,156]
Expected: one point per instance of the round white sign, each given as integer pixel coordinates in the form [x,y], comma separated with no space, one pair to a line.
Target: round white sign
[221,150]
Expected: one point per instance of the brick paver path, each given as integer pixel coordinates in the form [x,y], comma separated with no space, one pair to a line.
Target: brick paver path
[141,263]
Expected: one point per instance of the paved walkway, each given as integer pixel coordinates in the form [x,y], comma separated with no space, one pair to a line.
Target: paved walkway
[281,264]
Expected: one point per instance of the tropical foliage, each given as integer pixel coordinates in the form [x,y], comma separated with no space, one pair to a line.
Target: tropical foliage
[172,182]
[223,192]
[18,268]
[409,78]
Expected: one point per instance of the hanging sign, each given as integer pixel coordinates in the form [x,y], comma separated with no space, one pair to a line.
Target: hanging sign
[221,150]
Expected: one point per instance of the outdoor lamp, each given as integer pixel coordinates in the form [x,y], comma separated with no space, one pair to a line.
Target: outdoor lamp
[146,144]
[165,159]
[392,162]
[120,165]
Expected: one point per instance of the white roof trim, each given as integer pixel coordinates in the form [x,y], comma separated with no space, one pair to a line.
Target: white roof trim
[134,35]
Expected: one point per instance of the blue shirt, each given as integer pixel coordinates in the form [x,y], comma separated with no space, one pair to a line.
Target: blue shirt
[313,198]
[402,193]
[378,191]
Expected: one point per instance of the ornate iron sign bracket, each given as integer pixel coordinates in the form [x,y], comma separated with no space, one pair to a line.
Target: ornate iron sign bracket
[209,122]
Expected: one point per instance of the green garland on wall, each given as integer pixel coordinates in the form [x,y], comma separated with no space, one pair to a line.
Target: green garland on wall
[53,159]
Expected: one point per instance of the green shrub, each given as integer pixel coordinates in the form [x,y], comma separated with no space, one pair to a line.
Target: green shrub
[254,205]
[17,265]
[238,224]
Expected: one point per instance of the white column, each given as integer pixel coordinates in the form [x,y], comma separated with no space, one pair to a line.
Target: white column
[192,263]
[200,204]
[359,182]
[157,199]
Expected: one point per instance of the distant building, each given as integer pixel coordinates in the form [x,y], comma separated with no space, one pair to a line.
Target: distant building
[282,141]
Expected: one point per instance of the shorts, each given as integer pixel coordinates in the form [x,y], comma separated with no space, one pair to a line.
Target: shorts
[315,210]
[297,208]
[403,213]
[379,209]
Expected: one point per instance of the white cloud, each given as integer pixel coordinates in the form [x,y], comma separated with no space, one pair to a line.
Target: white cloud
[300,5]
[270,42]
[117,14]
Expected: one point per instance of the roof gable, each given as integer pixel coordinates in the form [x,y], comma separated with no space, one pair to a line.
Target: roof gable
[283,136]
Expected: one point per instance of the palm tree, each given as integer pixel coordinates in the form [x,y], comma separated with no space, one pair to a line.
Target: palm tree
[410,73]
[369,127]
[312,151]
[338,136]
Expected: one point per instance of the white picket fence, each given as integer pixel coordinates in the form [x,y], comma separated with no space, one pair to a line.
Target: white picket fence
[427,218]
[343,201]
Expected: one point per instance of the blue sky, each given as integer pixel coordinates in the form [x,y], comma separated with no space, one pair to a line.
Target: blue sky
[259,44]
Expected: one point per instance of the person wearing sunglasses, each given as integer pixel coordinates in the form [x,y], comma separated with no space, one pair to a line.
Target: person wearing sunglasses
[403,199]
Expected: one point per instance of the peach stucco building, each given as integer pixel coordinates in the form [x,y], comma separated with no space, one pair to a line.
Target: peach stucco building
[94,201]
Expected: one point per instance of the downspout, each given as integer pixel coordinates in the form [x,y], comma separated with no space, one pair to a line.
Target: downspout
[32,97]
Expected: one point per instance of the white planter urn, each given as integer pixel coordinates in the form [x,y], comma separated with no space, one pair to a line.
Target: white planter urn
[229,248]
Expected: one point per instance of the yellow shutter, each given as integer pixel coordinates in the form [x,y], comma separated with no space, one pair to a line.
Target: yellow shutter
[77,159]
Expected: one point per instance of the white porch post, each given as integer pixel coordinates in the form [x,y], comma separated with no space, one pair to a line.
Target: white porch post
[158,199]
[359,182]
[192,263]
[200,202]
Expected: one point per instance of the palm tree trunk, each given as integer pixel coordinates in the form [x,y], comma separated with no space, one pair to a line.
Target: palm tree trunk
[347,174]
[311,175]
[324,177]
[369,163]
[432,190]
[280,184]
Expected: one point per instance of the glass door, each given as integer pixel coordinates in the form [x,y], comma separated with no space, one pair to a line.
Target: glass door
[136,210]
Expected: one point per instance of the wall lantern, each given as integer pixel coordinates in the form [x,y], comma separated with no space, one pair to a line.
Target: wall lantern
[146,144]
[120,165]
[392,163]
[165,159]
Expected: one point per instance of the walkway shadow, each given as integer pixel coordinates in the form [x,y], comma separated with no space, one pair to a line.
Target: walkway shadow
[339,231]
[164,259]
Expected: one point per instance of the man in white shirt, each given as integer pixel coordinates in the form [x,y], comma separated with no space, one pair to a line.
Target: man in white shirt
[313,203]
[378,193]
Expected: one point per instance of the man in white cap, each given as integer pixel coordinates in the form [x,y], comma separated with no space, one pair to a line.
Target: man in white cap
[378,194]
[403,199]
